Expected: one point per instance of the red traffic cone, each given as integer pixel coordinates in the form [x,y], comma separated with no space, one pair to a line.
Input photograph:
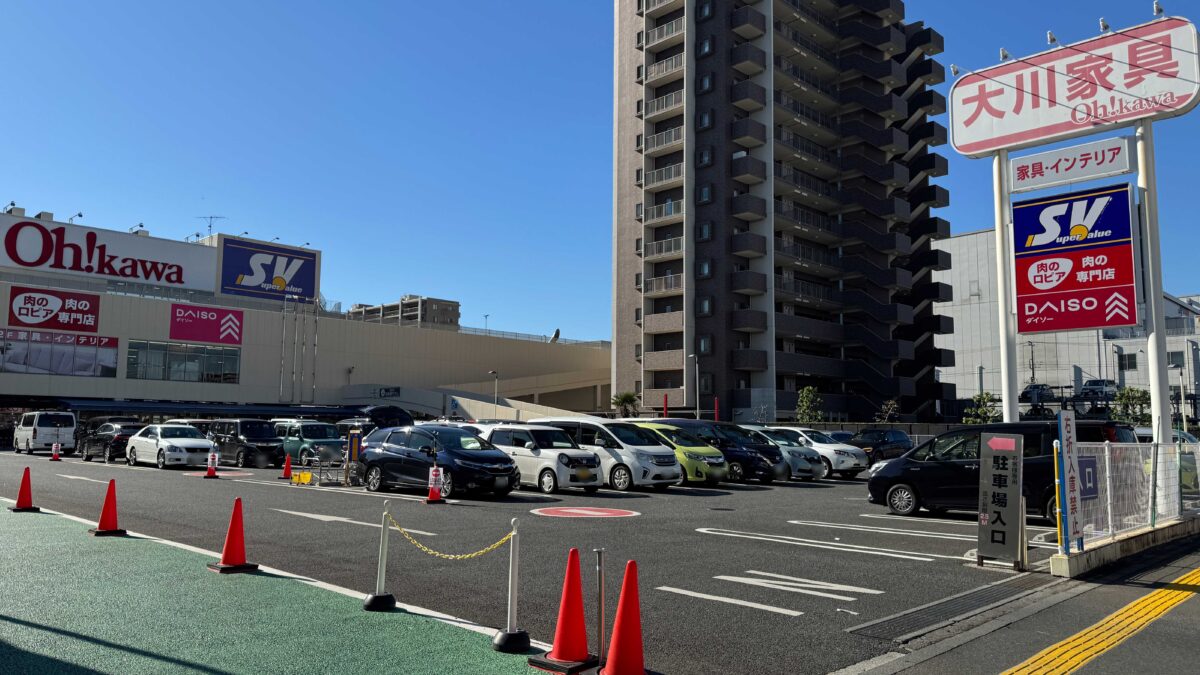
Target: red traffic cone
[54,453]
[625,651]
[24,497]
[107,527]
[287,468]
[570,651]
[233,555]
[211,472]
[435,486]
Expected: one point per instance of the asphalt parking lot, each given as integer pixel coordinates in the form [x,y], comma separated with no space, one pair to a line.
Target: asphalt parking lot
[736,578]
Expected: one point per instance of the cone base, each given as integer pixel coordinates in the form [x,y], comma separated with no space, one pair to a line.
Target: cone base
[435,501]
[212,476]
[544,662]
[379,603]
[515,642]
[106,533]
[232,569]
[55,459]
[24,509]
[599,670]
[278,477]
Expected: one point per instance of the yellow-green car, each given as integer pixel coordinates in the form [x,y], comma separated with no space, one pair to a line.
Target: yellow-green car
[701,463]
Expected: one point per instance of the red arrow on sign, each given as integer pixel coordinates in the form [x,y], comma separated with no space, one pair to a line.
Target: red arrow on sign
[997,443]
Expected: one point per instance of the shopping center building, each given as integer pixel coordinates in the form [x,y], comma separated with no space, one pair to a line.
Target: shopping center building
[94,316]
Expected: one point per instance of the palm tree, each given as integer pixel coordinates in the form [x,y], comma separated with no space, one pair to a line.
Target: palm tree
[626,403]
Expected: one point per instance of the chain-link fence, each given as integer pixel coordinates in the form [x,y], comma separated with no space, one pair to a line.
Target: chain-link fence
[1127,486]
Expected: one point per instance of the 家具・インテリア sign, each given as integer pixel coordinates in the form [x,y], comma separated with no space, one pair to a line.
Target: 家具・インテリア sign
[1089,161]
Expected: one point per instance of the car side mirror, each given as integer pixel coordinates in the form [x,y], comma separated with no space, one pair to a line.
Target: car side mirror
[531,446]
[427,450]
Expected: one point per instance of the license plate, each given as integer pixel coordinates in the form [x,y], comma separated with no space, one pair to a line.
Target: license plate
[584,474]
[502,483]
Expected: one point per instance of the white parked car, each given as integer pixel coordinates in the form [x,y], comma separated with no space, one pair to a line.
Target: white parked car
[169,445]
[629,455]
[41,430]
[803,462]
[546,456]
[843,459]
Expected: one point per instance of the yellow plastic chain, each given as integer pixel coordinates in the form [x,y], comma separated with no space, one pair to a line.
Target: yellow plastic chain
[449,556]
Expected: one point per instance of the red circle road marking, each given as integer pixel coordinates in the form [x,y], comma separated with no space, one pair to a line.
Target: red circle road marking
[583,512]
[221,474]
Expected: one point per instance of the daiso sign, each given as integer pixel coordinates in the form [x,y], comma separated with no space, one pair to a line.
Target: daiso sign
[104,254]
[197,323]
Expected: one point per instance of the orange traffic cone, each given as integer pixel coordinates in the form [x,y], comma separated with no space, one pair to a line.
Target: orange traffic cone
[625,651]
[287,468]
[435,487]
[54,453]
[107,527]
[211,472]
[570,651]
[233,555]
[24,497]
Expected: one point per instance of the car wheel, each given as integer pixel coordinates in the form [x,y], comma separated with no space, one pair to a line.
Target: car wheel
[162,459]
[131,458]
[548,482]
[828,467]
[85,456]
[902,500]
[374,479]
[240,462]
[447,484]
[305,459]
[620,479]
[1050,512]
[737,474]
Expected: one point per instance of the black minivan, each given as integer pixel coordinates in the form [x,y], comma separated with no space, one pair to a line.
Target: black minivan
[745,455]
[943,472]
[247,442]
[402,457]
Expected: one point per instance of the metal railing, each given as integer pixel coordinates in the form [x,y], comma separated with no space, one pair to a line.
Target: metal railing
[652,5]
[790,104]
[670,282]
[663,138]
[803,215]
[804,42]
[803,180]
[809,13]
[663,211]
[654,249]
[804,288]
[666,66]
[664,103]
[806,252]
[797,73]
[664,31]
[801,144]
[663,175]
[1129,486]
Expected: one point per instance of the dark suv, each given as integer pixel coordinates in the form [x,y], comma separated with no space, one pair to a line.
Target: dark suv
[943,472]
[247,442]
[746,456]
[403,456]
[881,443]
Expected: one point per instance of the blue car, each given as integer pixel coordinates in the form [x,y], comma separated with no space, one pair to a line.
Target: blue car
[403,456]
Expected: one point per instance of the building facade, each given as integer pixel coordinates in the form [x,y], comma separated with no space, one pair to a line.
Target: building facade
[416,310]
[772,223]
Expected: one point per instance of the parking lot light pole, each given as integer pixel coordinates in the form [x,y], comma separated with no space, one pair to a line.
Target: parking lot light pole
[495,393]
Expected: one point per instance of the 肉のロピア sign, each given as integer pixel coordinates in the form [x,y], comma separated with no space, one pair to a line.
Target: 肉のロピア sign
[53,309]
[1148,71]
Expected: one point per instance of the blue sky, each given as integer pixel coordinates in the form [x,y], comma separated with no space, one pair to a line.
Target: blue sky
[460,150]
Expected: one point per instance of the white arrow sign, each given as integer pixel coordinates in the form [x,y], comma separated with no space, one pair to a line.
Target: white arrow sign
[1116,305]
[340,519]
[231,327]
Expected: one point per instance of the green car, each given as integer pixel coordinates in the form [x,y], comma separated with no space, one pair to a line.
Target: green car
[701,463]
[306,441]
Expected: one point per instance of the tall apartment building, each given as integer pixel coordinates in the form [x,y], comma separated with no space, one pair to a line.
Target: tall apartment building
[772,197]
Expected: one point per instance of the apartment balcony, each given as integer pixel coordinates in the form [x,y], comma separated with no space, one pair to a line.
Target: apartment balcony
[928,40]
[934,228]
[663,107]
[805,118]
[666,35]
[747,282]
[667,360]
[663,142]
[930,164]
[795,43]
[655,399]
[890,11]
[804,222]
[809,365]
[888,139]
[807,259]
[748,59]
[666,249]
[887,39]
[928,102]
[936,291]
[748,170]
[932,390]
[747,22]
[806,153]
[665,71]
[887,105]
[748,133]
[753,360]
[884,312]
[804,188]
[660,287]
[859,335]
[804,86]
[935,196]
[748,207]
[748,245]
[664,178]
[665,322]
[894,243]
[891,174]
[799,15]
[930,133]
[748,96]
[805,328]
[892,209]
[657,8]
[748,321]
[806,293]
[664,214]
[892,278]
[937,324]
[928,71]
[934,259]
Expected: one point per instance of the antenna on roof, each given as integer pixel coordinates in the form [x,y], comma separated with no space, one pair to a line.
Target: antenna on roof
[210,220]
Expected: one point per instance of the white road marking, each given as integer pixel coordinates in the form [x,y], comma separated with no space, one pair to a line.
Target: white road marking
[798,585]
[340,519]
[90,480]
[843,482]
[847,611]
[340,491]
[731,601]
[947,521]
[830,545]
[871,529]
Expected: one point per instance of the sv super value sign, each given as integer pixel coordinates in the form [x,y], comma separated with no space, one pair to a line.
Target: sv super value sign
[1075,264]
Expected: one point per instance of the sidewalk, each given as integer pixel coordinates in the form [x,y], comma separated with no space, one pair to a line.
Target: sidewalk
[73,603]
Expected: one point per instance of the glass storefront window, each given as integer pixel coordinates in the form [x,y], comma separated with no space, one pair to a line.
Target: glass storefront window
[179,362]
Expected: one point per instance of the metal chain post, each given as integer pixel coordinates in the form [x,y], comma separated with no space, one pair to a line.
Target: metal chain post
[381,601]
[600,602]
[513,553]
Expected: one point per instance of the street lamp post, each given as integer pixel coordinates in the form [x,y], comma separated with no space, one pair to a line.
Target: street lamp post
[1032,372]
[697,360]
[495,393]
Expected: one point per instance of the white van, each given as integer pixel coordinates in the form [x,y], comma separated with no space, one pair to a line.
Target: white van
[629,455]
[41,430]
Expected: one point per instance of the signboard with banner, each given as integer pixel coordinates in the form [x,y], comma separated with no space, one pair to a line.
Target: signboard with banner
[59,310]
[268,271]
[1149,71]
[1075,264]
[1091,161]
[1069,497]
[1001,520]
[104,255]
[196,323]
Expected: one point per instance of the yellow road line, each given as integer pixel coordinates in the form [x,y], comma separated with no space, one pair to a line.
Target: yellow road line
[1072,653]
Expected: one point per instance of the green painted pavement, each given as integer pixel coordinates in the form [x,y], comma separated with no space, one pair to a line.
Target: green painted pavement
[72,603]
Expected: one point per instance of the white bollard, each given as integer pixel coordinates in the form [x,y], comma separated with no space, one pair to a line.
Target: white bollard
[511,640]
[380,601]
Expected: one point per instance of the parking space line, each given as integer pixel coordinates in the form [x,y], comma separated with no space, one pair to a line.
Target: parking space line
[781,582]
[731,601]
[341,519]
[947,521]
[340,491]
[871,529]
[92,480]
[831,545]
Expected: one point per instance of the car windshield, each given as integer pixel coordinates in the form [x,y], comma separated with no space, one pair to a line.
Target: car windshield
[818,437]
[258,429]
[460,439]
[319,432]
[736,434]
[180,432]
[127,428]
[681,437]
[869,437]
[548,438]
[782,438]
[630,434]
[56,421]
